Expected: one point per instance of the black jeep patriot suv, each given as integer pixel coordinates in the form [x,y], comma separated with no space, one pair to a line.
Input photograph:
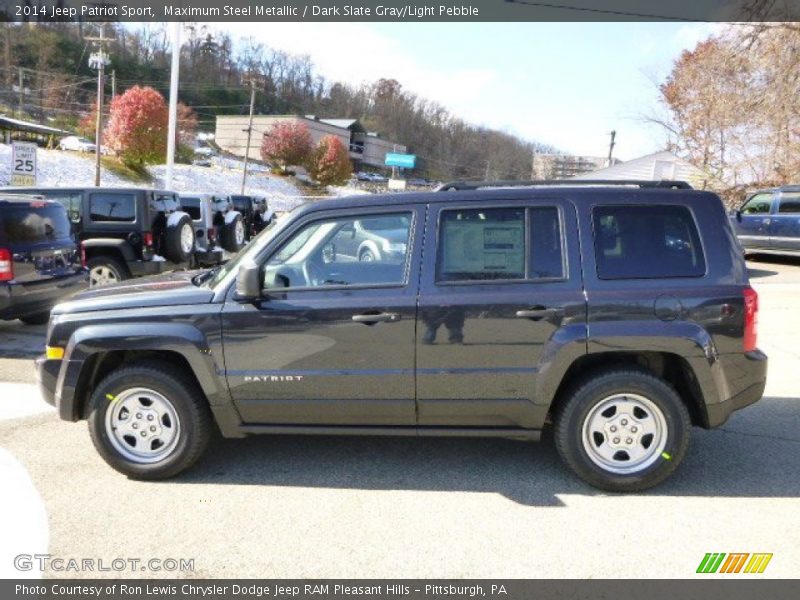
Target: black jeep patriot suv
[619,314]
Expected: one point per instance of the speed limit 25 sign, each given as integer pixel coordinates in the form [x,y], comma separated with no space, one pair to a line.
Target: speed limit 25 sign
[23,163]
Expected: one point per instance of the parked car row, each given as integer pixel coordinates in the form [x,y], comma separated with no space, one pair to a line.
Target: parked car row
[54,239]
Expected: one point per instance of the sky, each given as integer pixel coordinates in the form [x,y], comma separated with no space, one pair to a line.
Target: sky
[563,84]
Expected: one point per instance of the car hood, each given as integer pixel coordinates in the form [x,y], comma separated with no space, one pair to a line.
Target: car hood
[174,289]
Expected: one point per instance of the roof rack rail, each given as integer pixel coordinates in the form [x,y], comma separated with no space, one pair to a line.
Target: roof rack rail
[475,185]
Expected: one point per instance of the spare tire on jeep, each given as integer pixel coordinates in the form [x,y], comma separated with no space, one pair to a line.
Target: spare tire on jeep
[232,233]
[179,240]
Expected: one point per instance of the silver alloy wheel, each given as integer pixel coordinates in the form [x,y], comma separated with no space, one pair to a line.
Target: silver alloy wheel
[624,433]
[142,425]
[238,233]
[367,256]
[102,275]
[187,238]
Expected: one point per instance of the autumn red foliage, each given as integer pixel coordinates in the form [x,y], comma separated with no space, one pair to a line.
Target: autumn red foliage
[137,128]
[287,143]
[330,164]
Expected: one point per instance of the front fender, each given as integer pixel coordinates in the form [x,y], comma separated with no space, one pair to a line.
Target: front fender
[183,339]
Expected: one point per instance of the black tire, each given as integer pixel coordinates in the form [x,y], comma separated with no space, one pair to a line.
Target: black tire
[228,234]
[367,255]
[173,247]
[578,411]
[194,424]
[37,319]
[102,264]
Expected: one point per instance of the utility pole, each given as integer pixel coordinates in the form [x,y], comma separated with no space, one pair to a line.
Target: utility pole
[98,60]
[611,147]
[21,91]
[249,130]
[173,102]
[113,84]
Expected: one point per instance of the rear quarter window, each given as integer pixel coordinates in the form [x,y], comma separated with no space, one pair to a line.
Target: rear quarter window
[112,207]
[647,242]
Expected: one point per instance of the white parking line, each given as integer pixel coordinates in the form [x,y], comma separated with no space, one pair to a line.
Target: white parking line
[21,400]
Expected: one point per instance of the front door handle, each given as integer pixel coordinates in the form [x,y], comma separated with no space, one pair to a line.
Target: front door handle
[538,313]
[371,319]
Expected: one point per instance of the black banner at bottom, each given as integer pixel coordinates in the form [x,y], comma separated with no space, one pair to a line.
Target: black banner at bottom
[733,588]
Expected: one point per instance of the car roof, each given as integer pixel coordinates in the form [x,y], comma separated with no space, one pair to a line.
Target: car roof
[578,193]
[25,199]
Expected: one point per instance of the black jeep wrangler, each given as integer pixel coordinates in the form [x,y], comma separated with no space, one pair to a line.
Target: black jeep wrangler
[619,314]
[126,232]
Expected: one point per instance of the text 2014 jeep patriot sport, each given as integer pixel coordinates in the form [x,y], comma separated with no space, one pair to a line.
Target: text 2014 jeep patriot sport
[620,314]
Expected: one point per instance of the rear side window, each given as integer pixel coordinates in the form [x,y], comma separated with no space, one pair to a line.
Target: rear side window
[646,242]
[482,244]
[112,207]
[500,244]
[790,203]
[31,224]
[191,206]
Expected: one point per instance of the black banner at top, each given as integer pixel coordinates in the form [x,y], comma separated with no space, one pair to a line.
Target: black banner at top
[398,10]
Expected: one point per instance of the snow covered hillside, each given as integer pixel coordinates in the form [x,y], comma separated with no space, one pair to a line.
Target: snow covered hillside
[61,169]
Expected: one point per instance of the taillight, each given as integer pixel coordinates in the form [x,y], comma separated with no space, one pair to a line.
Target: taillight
[6,265]
[83,254]
[147,238]
[212,235]
[750,319]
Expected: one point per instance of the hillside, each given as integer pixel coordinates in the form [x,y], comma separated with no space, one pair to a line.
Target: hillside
[57,168]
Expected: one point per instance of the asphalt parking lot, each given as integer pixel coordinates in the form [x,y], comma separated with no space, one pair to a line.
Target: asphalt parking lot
[382,507]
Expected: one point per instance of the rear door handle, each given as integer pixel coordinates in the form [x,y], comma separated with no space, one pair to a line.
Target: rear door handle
[371,319]
[538,313]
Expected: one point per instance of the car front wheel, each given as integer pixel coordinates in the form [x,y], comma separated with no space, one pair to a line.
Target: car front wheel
[148,422]
[623,430]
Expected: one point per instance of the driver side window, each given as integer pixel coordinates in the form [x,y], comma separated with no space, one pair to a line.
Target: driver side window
[362,250]
[759,204]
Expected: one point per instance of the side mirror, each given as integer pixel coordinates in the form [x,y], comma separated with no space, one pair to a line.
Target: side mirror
[248,282]
[739,215]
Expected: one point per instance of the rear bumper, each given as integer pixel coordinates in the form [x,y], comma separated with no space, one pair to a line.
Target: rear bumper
[17,300]
[747,387]
[208,258]
[142,268]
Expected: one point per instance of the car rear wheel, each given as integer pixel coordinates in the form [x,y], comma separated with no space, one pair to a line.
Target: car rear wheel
[367,255]
[179,240]
[148,422]
[232,236]
[104,270]
[623,430]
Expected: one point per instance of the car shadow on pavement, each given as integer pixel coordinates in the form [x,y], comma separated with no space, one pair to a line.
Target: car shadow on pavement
[18,340]
[753,455]
[759,273]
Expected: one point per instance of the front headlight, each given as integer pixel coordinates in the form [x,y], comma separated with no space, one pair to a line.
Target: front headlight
[398,248]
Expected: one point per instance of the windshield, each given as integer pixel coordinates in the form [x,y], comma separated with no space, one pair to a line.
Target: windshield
[253,248]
